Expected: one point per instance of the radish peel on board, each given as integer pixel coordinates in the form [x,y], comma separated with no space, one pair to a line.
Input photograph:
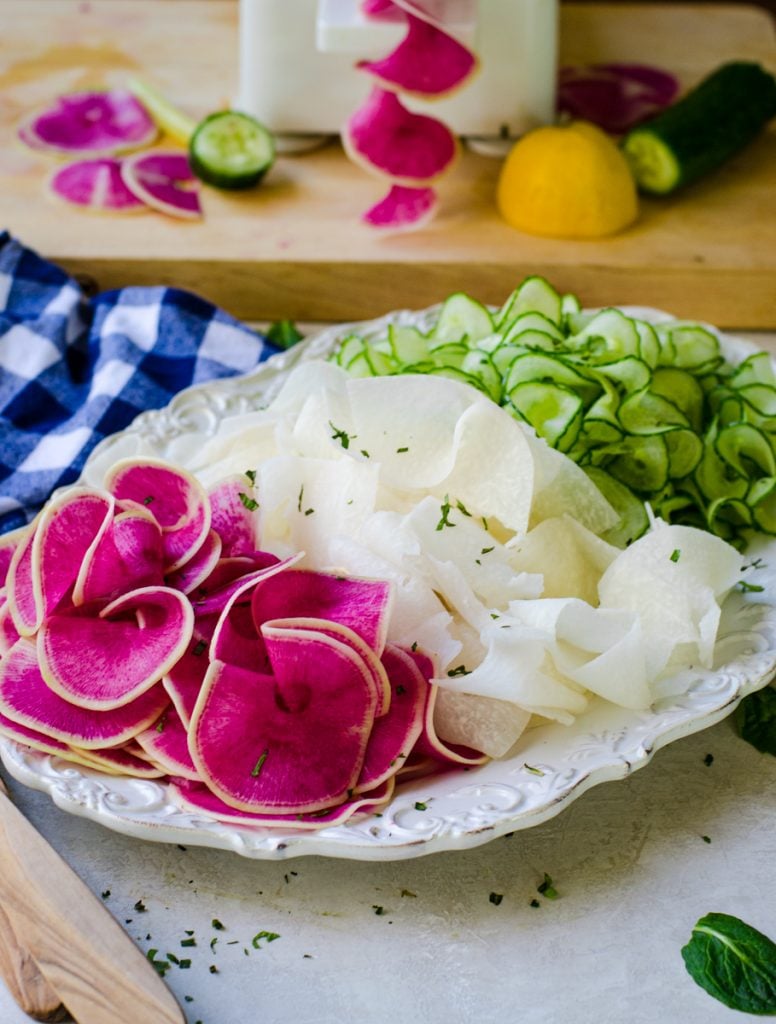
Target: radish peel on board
[412,150]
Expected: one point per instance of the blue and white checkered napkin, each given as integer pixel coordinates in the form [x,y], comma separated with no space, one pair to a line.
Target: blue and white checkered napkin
[73,370]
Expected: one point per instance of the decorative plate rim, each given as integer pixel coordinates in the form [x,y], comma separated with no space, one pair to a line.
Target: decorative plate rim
[551,765]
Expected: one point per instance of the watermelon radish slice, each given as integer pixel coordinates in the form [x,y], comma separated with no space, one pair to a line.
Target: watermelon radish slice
[173,497]
[118,761]
[360,604]
[90,124]
[9,542]
[24,600]
[26,698]
[394,735]
[427,63]
[95,185]
[164,180]
[336,631]
[184,679]
[167,742]
[381,9]
[234,517]
[387,139]
[200,798]
[429,744]
[31,737]
[127,556]
[207,601]
[8,632]
[199,568]
[418,766]
[289,743]
[616,97]
[69,529]
[107,661]
[403,208]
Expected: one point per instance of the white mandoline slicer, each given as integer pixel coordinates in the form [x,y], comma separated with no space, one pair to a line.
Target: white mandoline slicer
[298,74]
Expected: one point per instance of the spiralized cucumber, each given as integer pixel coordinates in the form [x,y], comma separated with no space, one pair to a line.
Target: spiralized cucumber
[652,412]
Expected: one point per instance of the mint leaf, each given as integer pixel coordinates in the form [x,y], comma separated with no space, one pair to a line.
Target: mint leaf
[733,962]
[756,720]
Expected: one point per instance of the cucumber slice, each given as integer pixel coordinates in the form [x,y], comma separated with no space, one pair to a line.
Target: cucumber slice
[531,322]
[761,397]
[681,389]
[534,295]
[535,366]
[350,347]
[609,335]
[634,520]
[553,411]
[480,365]
[762,501]
[231,150]
[407,344]
[685,451]
[746,449]
[640,463]
[169,119]
[695,347]
[646,413]
[451,354]
[462,318]
[715,477]
[630,372]
[757,369]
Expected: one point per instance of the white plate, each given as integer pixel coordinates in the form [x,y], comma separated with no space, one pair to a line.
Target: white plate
[551,765]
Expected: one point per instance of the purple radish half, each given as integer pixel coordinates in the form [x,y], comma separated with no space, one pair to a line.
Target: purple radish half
[166,741]
[387,139]
[95,185]
[428,743]
[199,568]
[164,180]
[427,62]
[616,97]
[173,497]
[107,661]
[394,735]
[234,517]
[26,698]
[360,604]
[289,743]
[127,556]
[90,124]
[403,208]
[200,798]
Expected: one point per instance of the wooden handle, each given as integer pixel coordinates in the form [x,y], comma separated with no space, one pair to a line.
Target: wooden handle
[23,978]
[98,972]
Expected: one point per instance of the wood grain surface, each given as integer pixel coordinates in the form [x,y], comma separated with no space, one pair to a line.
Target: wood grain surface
[295,247]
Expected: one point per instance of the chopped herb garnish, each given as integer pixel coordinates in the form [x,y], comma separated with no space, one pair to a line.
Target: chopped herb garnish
[251,474]
[378,910]
[213,969]
[259,764]
[140,907]
[250,503]
[173,958]
[299,499]
[309,511]
[534,903]
[708,760]
[756,564]
[400,690]
[149,500]
[420,805]
[414,646]
[445,517]
[706,839]
[459,670]
[105,894]
[199,648]
[213,942]
[547,889]
[485,525]
[184,964]
[400,451]
[284,334]
[495,615]
[487,551]
[365,453]
[496,898]
[215,923]
[160,966]
[407,892]
[463,509]
[188,942]
[534,771]
[340,435]
[162,722]
[749,588]
[269,936]
[675,555]
[188,999]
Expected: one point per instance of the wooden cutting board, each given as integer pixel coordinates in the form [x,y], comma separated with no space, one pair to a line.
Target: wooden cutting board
[295,247]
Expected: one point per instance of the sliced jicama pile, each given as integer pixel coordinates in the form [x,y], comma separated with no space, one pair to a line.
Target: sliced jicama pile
[90,124]
[615,96]
[163,179]
[95,185]
[411,149]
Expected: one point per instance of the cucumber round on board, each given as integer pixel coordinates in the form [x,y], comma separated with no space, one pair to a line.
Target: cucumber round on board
[698,134]
[231,150]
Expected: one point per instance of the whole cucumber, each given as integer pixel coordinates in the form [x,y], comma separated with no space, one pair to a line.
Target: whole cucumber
[701,131]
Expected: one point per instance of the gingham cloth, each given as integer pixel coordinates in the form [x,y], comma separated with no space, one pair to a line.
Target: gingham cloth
[73,370]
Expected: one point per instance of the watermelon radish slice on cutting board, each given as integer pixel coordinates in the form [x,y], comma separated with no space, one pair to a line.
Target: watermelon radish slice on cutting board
[96,186]
[90,124]
[163,179]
